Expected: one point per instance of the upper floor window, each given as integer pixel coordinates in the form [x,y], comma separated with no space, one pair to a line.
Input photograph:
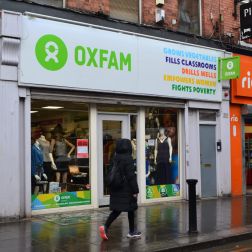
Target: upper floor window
[55,3]
[189,16]
[127,10]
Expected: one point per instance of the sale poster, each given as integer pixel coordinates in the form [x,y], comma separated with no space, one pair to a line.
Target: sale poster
[82,148]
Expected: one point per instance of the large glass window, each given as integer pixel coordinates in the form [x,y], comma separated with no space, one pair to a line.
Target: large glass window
[207,116]
[125,10]
[59,154]
[162,155]
[189,16]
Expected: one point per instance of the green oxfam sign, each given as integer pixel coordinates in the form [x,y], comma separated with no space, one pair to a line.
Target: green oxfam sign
[229,68]
[51,52]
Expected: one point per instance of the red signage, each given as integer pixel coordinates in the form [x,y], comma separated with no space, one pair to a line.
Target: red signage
[82,148]
[242,87]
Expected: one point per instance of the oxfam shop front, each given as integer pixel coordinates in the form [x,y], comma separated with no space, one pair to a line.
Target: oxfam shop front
[90,87]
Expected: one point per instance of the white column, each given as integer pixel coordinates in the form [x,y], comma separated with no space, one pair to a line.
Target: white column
[187,150]
[223,157]
[9,151]
[27,153]
[141,155]
[11,183]
[93,154]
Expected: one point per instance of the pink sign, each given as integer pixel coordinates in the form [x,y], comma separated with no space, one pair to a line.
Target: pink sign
[82,148]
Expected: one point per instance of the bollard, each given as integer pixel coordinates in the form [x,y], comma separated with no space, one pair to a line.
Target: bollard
[192,205]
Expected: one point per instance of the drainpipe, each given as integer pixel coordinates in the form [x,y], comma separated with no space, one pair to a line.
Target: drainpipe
[140,5]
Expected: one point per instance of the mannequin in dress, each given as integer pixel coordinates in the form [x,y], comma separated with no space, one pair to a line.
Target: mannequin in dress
[49,163]
[37,170]
[59,144]
[163,158]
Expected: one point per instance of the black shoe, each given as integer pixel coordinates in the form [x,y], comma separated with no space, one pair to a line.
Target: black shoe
[134,234]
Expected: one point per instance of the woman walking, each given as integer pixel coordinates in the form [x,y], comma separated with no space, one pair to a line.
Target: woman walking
[123,198]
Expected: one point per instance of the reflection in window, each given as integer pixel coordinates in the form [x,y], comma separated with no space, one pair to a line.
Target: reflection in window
[112,131]
[189,20]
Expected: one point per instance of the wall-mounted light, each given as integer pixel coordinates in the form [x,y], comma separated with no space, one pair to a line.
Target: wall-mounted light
[159,3]
[52,107]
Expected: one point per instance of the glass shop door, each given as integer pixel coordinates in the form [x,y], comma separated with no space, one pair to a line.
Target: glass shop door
[110,128]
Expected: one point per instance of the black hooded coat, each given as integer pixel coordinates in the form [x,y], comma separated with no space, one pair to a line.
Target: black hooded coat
[121,199]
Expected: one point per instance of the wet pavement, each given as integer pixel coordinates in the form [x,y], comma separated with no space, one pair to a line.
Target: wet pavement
[164,226]
[242,246]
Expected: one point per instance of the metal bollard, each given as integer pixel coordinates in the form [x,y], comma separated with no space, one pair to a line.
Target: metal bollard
[192,205]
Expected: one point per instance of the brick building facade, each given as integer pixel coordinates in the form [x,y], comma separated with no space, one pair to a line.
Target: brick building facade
[219,20]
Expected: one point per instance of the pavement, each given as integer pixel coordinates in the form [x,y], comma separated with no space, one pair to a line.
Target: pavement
[241,246]
[164,227]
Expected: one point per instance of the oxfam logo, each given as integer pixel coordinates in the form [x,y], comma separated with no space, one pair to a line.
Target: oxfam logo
[57,198]
[51,52]
[230,65]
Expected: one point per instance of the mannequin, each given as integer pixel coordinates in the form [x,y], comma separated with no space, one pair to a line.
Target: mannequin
[163,158]
[59,144]
[38,175]
[49,163]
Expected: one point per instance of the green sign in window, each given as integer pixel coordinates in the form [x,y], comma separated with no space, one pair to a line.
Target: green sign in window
[229,68]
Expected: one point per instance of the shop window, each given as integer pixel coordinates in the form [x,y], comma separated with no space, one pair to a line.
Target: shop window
[60,164]
[189,16]
[207,116]
[126,10]
[162,155]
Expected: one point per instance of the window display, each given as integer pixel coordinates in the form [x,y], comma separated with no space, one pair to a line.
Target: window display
[59,152]
[161,149]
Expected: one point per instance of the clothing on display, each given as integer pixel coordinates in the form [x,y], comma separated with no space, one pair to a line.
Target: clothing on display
[61,160]
[161,150]
[60,148]
[36,160]
[38,178]
[62,163]
[49,171]
[45,147]
[163,172]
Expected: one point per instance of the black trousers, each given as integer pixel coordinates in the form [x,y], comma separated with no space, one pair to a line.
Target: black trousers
[114,214]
